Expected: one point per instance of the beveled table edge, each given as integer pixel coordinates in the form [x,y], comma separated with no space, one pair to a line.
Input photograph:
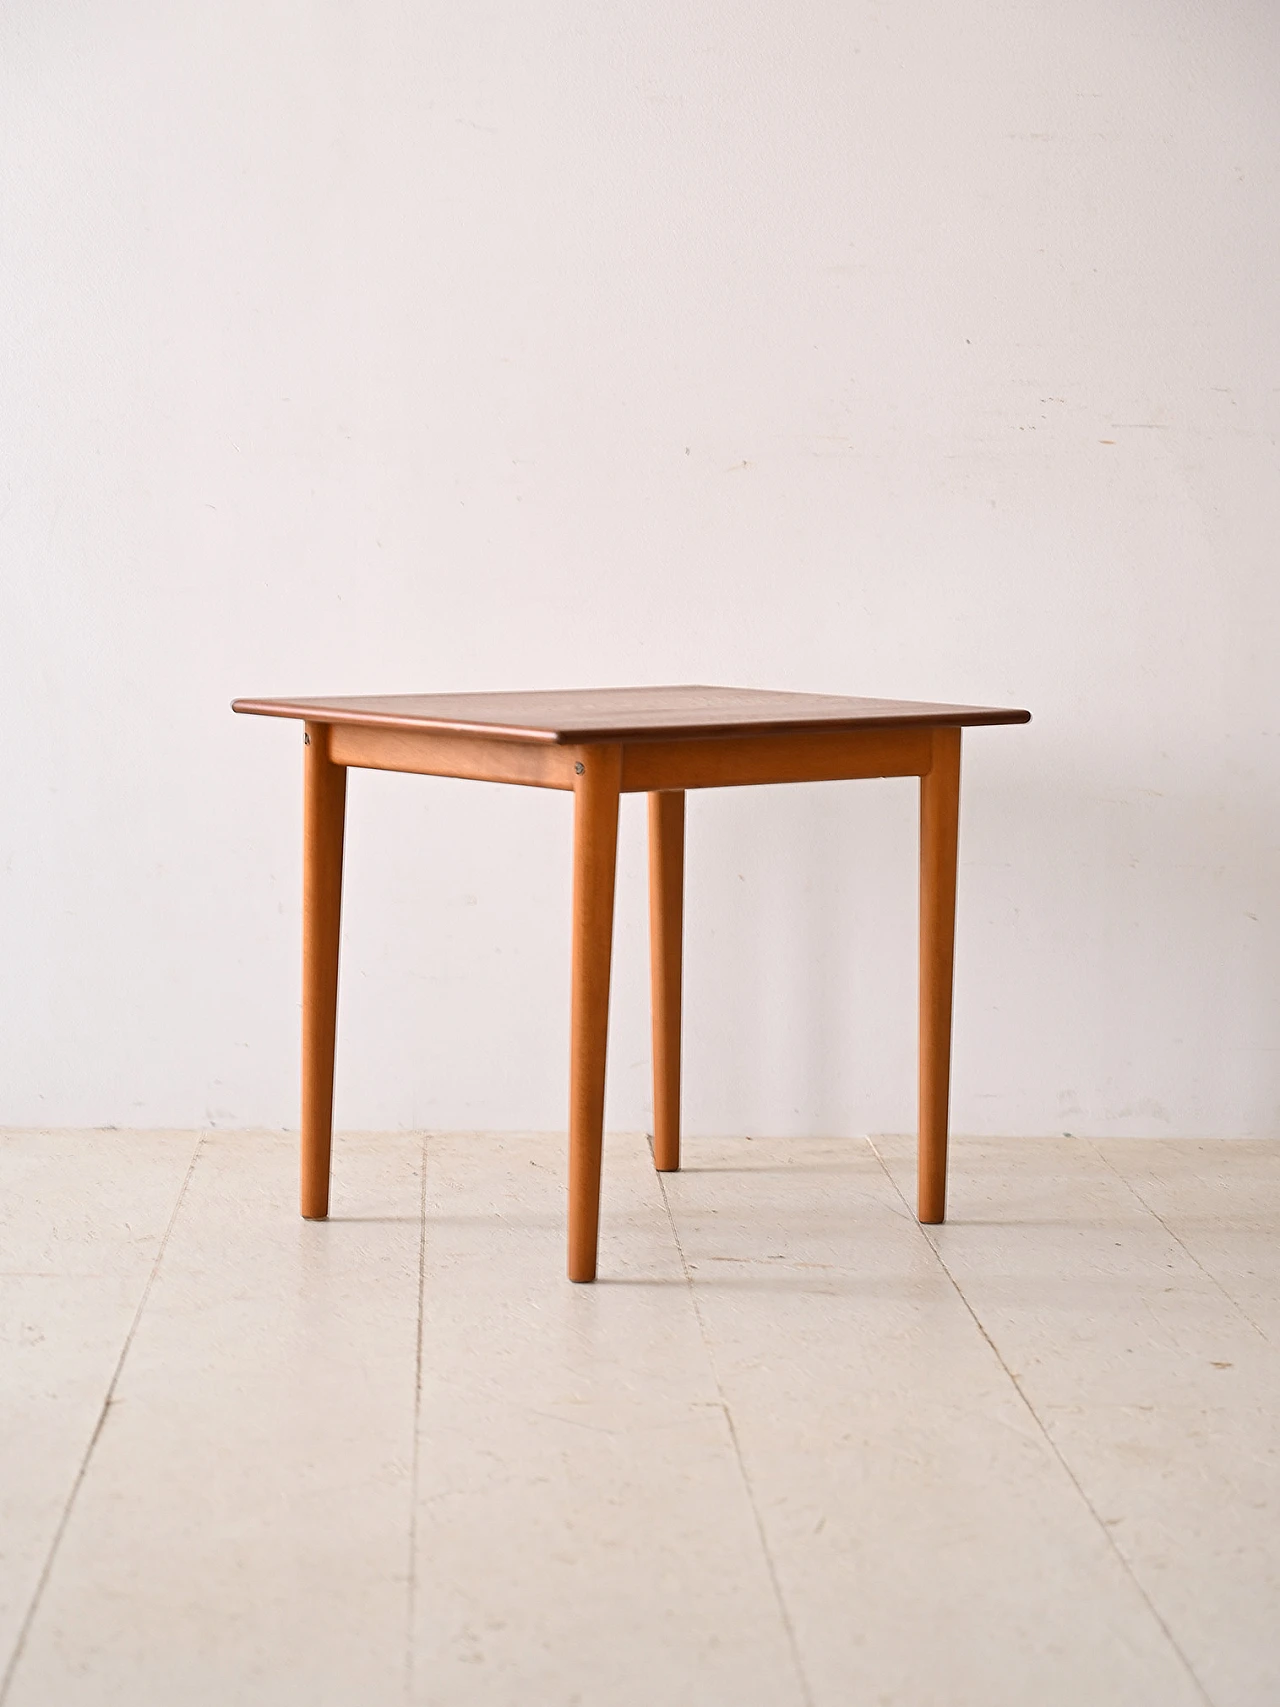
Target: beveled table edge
[943,717]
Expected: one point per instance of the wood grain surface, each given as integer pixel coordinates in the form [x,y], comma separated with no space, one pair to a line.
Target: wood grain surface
[616,714]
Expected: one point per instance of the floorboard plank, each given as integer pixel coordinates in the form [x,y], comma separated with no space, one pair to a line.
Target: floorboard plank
[82,1217]
[927,1540]
[1153,1383]
[242,1532]
[583,1531]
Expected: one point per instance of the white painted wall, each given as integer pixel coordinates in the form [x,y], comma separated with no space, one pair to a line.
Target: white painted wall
[927,349]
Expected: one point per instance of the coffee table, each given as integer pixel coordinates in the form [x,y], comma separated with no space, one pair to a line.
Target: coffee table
[599,744]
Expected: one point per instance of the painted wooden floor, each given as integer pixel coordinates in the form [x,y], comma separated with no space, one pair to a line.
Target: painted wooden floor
[792,1450]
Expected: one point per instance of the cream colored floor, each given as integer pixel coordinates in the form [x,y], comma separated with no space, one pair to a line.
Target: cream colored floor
[791,1449]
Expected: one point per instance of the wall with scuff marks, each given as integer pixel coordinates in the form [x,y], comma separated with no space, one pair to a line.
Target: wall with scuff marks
[927,350]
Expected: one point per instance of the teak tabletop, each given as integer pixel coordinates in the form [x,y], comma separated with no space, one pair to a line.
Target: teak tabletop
[600,743]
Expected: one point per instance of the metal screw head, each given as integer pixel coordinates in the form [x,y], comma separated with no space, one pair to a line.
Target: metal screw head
[579,768]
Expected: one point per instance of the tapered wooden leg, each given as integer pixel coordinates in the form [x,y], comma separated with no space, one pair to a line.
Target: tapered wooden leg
[666,921]
[939,823]
[324,807]
[595,848]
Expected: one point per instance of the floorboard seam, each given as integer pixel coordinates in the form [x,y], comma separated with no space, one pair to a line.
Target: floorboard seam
[783,1612]
[1047,1437]
[6,1683]
[412,1609]
[1235,1303]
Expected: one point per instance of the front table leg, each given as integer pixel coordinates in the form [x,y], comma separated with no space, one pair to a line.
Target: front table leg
[595,849]
[939,825]
[324,809]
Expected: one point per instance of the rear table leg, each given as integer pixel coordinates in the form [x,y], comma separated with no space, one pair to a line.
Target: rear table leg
[666,922]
